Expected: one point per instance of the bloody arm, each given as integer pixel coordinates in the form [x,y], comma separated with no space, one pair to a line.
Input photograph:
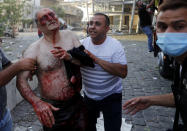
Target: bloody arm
[42,109]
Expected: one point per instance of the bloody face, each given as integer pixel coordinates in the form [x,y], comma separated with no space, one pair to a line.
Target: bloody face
[48,19]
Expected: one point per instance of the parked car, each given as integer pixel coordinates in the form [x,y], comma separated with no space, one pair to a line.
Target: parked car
[8,32]
[21,30]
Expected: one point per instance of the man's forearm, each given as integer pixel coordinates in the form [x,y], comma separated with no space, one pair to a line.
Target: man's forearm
[150,4]
[25,90]
[162,100]
[113,68]
[8,73]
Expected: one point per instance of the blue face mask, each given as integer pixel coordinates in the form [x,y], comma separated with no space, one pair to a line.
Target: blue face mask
[173,44]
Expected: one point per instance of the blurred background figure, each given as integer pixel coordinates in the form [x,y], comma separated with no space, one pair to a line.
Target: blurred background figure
[39,33]
[145,22]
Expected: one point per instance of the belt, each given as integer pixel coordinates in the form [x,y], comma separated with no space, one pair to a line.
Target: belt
[70,101]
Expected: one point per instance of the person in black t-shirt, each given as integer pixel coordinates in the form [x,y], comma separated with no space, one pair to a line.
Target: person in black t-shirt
[145,23]
[171,30]
[7,71]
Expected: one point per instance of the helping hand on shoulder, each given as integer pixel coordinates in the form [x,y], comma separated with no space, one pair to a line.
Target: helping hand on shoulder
[26,64]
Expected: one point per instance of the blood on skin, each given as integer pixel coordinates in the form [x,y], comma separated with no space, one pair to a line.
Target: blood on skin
[48,16]
[49,68]
[56,85]
[54,38]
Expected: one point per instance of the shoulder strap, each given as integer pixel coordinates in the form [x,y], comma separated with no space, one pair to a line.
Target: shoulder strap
[175,90]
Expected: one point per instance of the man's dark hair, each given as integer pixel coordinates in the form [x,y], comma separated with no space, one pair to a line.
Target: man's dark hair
[107,20]
[137,2]
[173,5]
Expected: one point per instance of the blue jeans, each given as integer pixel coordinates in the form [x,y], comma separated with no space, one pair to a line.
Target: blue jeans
[111,107]
[6,122]
[147,30]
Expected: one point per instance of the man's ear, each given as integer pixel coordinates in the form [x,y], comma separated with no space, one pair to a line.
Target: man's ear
[108,28]
[39,26]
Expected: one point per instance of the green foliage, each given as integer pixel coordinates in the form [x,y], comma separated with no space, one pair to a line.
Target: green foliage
[27,21]
[11,12]
[2,28]
[59,11]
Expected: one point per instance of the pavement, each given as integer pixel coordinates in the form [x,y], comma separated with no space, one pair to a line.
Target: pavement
[143,79]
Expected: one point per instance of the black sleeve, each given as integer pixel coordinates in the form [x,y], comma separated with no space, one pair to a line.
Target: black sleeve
[5,61]
[79,54]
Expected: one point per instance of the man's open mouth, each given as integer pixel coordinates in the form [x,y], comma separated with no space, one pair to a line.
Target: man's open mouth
[92,32]
[52,23]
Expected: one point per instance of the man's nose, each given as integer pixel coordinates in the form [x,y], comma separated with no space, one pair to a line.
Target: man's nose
[49,17]
[92,25]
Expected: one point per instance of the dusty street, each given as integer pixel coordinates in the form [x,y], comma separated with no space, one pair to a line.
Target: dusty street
[143,79]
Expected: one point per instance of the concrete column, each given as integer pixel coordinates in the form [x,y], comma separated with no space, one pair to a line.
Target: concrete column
[121,18]
[132,16]
[121,22]
[92,6]
[138,26]
[87,12]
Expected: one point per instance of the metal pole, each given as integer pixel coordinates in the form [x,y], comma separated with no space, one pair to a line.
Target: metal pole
[132,16]
[121,17]
[87,11]
[92,7]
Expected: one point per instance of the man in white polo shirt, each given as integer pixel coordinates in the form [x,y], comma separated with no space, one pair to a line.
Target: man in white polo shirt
[103,84]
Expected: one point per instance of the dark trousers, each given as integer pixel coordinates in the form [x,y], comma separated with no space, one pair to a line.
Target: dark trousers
[72,115]
[111,107]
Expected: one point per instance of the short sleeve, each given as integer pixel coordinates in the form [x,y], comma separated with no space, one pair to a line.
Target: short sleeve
[119,55]
[5,60]
[85,42]
[81,41]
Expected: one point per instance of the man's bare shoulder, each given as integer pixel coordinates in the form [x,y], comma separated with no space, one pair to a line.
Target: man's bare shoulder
[31,51]
[68,33]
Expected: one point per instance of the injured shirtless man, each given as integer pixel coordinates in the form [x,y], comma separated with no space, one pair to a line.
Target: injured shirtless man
[60,106]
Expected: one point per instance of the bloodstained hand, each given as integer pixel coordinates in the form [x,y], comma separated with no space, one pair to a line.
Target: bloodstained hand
[94,58]
[73,80]
[61,53]
[44,112]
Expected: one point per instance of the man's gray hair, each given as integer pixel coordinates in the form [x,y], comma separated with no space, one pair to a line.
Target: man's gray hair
[36,15]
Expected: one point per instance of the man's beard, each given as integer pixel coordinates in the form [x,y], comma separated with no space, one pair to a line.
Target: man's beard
[52,25]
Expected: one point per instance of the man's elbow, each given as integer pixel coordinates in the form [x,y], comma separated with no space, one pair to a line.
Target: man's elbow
[123,75]
[124,72]
[1,83]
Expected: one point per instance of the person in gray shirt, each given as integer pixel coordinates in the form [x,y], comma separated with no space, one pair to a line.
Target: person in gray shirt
[7,71]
